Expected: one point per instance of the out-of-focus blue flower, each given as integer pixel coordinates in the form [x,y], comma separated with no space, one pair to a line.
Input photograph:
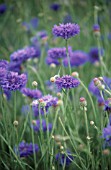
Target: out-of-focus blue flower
[96,27]
[64,159]
[47,102]
[94,54]
[3,8]
[55,55]
[32,24]
[106,134]
[55,6]
[14,66]
[67,19]
[77,58]
[66,31]
[3,69]
[37,125]
[35,93]
[42,34]
[26,149]
[51,86]
[50,61]
[13,81]
[25,109]
[24,54]
[67,82]
[108,105]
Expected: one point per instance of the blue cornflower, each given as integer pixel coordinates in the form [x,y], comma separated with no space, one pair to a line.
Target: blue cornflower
[3,8]
[55,6]
[66,30]
[44,102]
[24,54]
[94,54]
[36,125]
[64,159]
[106,134]
[13,81]
[67,82]
[26,149]
[77,58]
[35,93]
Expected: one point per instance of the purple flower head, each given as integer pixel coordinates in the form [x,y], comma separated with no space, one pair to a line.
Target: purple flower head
[106,133]
[77,58]
[51,86]
[108,105]
[96,27]
[94,54]
[36,126]
[47,100]
[57,53]
[14,66]
[13,81]
[66,30]
[26,149]
[24,54]
[42,34]
[50,61]
[3,8]
[34,22]
[67,82]
[36,94]
[55,6]
[3,69]
[4,63]
[64,158]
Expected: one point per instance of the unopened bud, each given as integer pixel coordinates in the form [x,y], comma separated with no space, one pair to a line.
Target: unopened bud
[75,74]
[53,167]
[15,123]
[61,147]
[59,102]
[83,102]
[34,83]
[53,65]
[34,122]
[91,123]
[52,79]
[88,138]
[59,94]
[96,81]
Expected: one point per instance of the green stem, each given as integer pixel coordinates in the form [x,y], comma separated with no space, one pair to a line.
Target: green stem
[67,52]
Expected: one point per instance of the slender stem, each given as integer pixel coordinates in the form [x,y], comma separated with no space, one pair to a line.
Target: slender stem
[67,52]
[15,106]
[93,107]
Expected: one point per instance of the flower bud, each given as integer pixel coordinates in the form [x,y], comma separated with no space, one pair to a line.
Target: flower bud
[91,123]
[83,102]
[75,74]
[53,65]
[96,81]
[52,79]
[88,137]
[59,102]
[15,123]
[34,83]
[34,122]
